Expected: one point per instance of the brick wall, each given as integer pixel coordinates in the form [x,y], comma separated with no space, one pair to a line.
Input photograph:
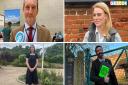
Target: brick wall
[120,73]
[78,18]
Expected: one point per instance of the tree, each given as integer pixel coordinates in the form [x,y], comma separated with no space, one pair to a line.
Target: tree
[54,54]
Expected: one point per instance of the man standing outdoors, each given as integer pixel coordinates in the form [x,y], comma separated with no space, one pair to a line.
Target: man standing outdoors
[6,32]
[30,31]
[102,72]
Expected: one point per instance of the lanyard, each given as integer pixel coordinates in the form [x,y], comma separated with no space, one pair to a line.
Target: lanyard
[32,34]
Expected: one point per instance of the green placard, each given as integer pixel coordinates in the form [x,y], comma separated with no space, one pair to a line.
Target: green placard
[104,71]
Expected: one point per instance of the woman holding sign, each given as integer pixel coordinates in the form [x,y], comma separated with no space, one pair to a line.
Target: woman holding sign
[102,72]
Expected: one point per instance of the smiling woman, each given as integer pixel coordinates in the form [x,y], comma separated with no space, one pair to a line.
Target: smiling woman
[101,29]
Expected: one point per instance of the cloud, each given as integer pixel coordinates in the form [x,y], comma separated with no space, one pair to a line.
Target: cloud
[12,18]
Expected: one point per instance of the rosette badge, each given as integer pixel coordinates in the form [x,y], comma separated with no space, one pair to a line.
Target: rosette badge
[19,36]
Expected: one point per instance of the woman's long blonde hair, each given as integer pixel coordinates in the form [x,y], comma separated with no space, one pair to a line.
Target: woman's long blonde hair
[108,22]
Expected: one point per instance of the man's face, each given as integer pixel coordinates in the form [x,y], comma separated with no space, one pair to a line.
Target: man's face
[30,11]
[99,52]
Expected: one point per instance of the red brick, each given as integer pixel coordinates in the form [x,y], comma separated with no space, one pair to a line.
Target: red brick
[82,35]
[116,11]
[75,31]
[88,21]
[76,26]
[84,17]
[71,17]
[69,22]
[68,26]
[67,37]
[89,12]
[67,12]
[79,21]
[74,23]
[116,16]
[123,32]
[81,12]
[125,39]
[72,12]
[68,31]
[116,7]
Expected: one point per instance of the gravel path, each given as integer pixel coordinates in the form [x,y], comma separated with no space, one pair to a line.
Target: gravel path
[9,75]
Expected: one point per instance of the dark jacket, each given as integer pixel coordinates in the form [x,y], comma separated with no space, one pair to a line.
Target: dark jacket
[96,65]
[92,36]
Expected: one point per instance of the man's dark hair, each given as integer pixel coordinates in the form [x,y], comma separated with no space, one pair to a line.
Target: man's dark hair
[9,23]
[97,47]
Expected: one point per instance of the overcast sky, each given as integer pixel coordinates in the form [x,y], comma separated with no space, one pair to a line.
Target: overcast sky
[106,47]
[37,45]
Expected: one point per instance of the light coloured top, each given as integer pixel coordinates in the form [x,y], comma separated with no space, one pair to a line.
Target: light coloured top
[34,32]
[101,38]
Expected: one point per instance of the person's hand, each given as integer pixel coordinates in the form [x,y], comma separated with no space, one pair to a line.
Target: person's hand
[31,69]
[106,79]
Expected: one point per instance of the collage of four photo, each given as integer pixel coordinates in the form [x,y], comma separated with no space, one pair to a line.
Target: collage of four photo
[63,42]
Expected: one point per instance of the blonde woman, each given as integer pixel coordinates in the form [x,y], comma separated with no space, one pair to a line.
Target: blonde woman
[101,29]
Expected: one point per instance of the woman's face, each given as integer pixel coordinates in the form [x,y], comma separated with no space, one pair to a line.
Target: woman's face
[32,49]
[99,17]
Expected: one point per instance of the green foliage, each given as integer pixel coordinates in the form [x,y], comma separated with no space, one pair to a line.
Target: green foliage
[52,65]
[3,62]
[14,55]
[46,78]
[20,61]
[51,79]
[54,54]
[22,78]
[46,81]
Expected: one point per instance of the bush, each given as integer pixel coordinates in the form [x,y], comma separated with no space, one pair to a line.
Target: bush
[46,81]
[51,79]
[20,62]
[47,78]
[3,62]
[15,62]
[52,65]
[22,78]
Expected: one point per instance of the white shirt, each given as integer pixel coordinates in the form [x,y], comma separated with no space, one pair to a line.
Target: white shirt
[34,32]
[101,38]
[102,60]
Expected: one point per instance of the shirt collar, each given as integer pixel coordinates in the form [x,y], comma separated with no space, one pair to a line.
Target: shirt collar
[96,30]
[101,60]
[27,26]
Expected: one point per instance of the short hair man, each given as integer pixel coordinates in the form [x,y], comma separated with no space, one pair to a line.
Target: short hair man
[6,32]
[31,31]
[97,64]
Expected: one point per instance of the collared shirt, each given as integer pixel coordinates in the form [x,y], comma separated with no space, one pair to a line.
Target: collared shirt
[101,38]
[101,60]
[34,32]
[32,53]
